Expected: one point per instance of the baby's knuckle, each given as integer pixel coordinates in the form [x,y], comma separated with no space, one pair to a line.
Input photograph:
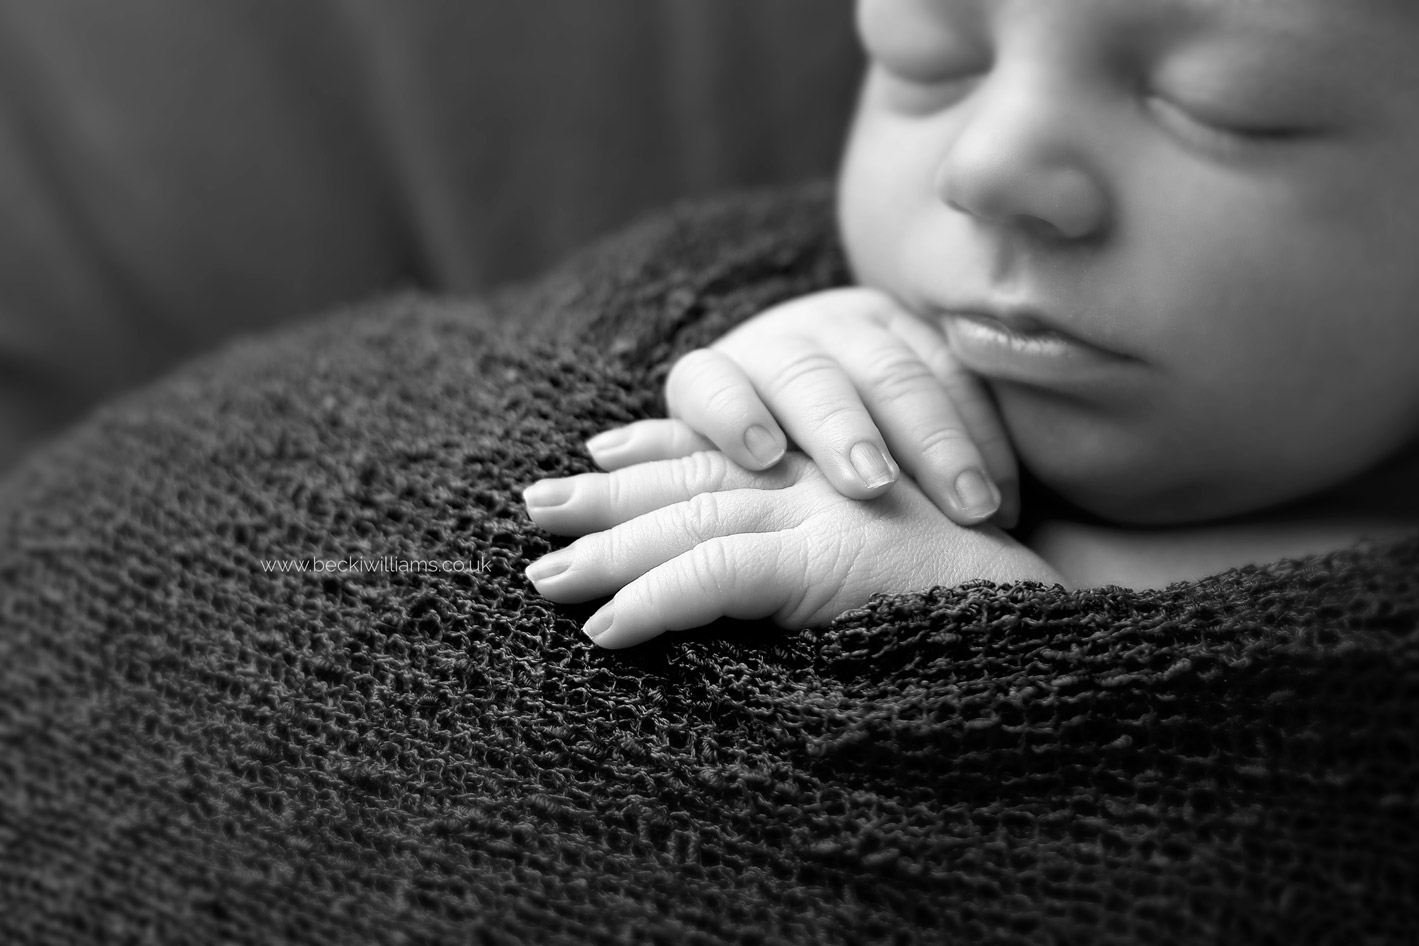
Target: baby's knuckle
[901,379]
[617,488]
[724,401]
[711,567]
[887,362]
[692,365]
[847,414]
[619,544]
[700,471]
[804,368]
[690,376]
[700,516]
[946,440]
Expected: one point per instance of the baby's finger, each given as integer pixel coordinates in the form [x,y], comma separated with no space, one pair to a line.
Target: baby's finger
[973,404]
[741,576]
[591,502]
[710,392]
[645,441]
[811,392]
[602,563]
[921,424]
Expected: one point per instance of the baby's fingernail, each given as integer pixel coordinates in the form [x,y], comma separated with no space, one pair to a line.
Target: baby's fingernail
[547,493]
[871,466]
[600,622]
[548,566]
[610,440]
[976,495]
[762,445]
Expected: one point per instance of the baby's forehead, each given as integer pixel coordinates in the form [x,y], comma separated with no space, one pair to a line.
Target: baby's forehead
[1298,15]
[1359,36]
[1297,11]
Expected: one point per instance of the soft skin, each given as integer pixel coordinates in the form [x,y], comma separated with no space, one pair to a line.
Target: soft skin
[686,540]
[1218,193]
[848,371]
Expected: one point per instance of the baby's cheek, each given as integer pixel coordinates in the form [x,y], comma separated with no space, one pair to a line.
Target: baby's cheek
[869,190]
[872,240]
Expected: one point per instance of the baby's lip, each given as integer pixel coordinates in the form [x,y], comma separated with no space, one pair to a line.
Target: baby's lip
[1024,320]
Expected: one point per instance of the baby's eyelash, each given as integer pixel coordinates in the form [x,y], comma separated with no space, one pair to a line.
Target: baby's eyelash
[1215,134]
[920,96]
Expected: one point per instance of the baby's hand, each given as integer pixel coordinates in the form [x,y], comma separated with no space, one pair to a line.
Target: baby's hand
[856,381]
[685,541]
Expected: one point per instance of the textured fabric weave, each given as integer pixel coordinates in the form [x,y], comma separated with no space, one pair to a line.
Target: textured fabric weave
[195,748]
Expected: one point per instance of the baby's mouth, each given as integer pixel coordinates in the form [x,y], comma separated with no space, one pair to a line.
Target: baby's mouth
[1027,348]
[1021,321]
[1021,328]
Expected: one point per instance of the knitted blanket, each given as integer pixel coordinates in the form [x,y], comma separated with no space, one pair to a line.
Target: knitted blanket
[200,742]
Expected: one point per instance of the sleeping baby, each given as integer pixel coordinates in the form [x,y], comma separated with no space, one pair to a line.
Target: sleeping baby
[1157,252]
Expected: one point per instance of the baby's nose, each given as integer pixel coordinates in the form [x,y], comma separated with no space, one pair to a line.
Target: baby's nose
[1020,158]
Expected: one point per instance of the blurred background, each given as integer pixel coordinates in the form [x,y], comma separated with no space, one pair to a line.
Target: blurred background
[174,172]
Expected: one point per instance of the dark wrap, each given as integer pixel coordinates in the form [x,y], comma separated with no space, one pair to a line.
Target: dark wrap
[195,749]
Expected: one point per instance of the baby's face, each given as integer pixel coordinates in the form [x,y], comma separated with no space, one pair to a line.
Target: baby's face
[1199,217]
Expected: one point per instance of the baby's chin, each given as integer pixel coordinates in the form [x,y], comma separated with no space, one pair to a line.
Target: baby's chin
[1134,480]
[1130,500]
[1143,492]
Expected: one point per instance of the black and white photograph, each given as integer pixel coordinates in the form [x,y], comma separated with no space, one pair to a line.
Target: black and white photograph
[698,472]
